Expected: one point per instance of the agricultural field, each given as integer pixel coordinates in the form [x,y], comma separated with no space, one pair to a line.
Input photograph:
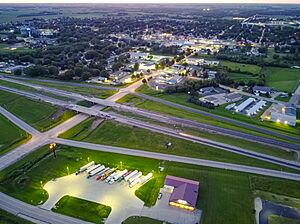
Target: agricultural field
[222,192]
[241,68]
[10,135]
[111,133]
[40,115]
[82,209]
[282,79]
[7,218]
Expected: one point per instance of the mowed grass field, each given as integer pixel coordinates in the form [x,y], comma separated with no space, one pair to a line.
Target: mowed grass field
[274,219]
[82,209]
[225,193]
[240,67]
[282,79]
[102,94]
[40,115]
[10,135]
[141,219]
[241,77]
[115,134]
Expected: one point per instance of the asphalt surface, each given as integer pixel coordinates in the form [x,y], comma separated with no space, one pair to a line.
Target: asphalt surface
[34,213]
[270,208]
[111,102]
[229,120]
[96,112]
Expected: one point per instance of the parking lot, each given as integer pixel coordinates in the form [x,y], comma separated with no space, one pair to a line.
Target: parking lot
[119,196]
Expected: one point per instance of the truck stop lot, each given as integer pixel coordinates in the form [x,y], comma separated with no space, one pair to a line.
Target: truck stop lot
[119,196]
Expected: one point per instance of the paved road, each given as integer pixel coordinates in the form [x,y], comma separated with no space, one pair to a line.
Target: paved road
[111,102]
[64,83]
[296,96]
[96,112]
[180,159]
[229,120]
[33,213]
[270,208]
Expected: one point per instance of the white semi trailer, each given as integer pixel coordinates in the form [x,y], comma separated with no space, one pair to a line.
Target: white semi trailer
[146,178]
[85,167]
[136,176]
[95,171]
[131,175]
[92,168]
[137,180]
[120,174]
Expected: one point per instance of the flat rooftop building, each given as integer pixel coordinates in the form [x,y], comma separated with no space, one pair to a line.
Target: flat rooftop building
[244,104]
[285,114]
[184,192]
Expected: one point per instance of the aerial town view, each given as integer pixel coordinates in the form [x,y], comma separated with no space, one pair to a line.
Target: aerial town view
[149,112]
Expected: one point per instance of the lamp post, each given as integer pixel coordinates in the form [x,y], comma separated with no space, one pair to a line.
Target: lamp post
[68,170]
[121,164]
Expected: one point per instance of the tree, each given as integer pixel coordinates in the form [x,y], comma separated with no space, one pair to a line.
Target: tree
[136,66]
[36,70]
[67,75]
[18,72]
[92,54]
[53,71]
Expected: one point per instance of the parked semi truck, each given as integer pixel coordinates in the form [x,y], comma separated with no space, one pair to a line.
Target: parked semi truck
[146,178]
[85,167]
[108,173]
[110,176]
[120,174]
[131,175]
[102,173]
[92,168]
[132,184]
[136,176]
[95,171]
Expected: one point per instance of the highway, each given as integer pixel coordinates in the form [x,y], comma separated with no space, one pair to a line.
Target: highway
[129,121]
[229,120]
[180,159]
[162,118]
[34,213]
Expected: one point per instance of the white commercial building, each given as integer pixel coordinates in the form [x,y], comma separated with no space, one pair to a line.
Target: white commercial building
[253,110]
[244,104]
[284,114]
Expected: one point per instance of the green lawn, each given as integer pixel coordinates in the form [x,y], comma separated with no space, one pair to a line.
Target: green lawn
[10,135]
[283,99]
[7,218]
[141,219]
[42,116]
[82,209]
[102,94]
[241,77]
[274,219]
[226,193]
[111,133]
[5,48]
[240,67]
[181,98]
[282,79]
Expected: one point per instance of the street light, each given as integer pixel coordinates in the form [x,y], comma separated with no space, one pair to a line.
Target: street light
[68,170]
[88,159]
[41,182]
[121,164]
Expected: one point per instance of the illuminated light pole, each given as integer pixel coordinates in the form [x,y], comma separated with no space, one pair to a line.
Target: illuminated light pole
[41,182]
[121,164]
[68,170]
[88,159]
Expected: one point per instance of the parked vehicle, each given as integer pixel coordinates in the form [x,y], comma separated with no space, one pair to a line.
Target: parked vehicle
[95,171]
[159,196]
[92,168]
[146,178]
[110,177]
[133,183]
[134,177]
[109,172]
[101,173]
[131,175]
[120,174]
[85,167]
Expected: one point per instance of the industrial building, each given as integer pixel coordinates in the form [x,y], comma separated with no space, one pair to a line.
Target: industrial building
[184,192]
[244,104]
[285,114]
[258,106]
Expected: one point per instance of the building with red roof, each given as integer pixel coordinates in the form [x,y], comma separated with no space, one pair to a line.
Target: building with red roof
[184,192]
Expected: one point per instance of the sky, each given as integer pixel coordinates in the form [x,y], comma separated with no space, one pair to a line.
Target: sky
[151,1]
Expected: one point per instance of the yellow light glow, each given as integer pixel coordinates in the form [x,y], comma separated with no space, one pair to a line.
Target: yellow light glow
[278,120]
